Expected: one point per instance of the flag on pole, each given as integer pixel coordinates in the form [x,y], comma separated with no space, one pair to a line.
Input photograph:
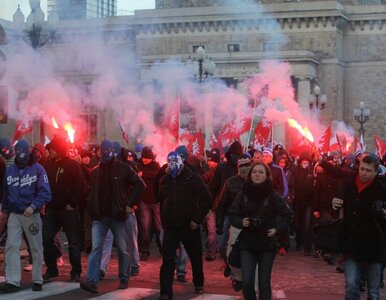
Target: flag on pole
[262,132]
[380,146]
[196,147]
[241,125]
[323,143]
[212,141]
[172,121]
[125,137]
[22,128]
[342,143]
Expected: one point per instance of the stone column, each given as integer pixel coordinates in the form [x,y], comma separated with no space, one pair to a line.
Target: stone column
[304,90]
[279,134]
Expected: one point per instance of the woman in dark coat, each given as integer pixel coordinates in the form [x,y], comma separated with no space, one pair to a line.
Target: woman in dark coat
[261,214]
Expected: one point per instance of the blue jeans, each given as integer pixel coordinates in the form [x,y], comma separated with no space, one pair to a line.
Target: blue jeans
[223,239]
[132,233]
[99,232]
[352,275]
[249,260]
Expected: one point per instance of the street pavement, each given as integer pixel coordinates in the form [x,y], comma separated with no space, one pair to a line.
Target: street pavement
[295,277]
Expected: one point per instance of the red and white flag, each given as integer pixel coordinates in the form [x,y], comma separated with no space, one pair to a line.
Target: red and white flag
[197,145]
[342,142]
[241,125]
[22,128]
[380,145]
[324,140]
[172,121]
[212,141]
[262,132]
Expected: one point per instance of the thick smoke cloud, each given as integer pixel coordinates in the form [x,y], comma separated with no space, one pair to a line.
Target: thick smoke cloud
[47,90]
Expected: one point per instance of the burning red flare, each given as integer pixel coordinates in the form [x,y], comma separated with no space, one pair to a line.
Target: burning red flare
[54,123]
[70,131]
[304,131]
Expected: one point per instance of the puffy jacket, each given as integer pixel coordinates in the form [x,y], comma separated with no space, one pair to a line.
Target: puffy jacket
[127,187]
[183,199]
[25,187]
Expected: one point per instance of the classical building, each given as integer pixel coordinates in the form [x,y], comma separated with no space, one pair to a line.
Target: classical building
[340,45]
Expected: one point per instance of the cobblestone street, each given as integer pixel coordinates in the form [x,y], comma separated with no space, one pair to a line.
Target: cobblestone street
[295,276]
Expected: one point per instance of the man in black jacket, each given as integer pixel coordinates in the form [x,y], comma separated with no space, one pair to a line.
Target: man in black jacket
[185,201]
[363,197]
[67,186]
[114,190]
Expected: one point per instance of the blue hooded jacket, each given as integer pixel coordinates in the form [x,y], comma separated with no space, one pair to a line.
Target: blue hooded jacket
[27,187]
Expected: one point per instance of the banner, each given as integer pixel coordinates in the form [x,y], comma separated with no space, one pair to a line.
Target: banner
[380,146]
[22,128]
[323,143]
[262,132]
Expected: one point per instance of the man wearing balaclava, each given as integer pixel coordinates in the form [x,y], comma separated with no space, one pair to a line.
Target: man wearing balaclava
[6,151]
[26,191]
[67,186]
[185,201]
[114,191]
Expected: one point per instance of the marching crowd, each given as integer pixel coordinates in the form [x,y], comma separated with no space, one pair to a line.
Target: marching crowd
[249,204]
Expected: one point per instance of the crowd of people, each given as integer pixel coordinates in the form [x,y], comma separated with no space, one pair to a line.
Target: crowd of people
[260,200]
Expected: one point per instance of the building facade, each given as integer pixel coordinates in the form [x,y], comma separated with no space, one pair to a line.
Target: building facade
[337,44]
[82,9]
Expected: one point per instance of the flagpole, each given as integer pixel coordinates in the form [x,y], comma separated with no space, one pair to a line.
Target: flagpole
[250,129]
[179,112]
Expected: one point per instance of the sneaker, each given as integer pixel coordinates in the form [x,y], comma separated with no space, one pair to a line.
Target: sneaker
[60,262]
[282,251]
[134,272]
[227,271]
[37,287]
[181,278]
[123,284]
[75,277]
[28,268]
[48,276]
[143,256]
[9,288]
[199,290]
[237,285]
[89,287]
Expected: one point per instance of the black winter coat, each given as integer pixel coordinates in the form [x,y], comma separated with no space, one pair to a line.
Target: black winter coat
[232,187]
[274,213]
[326,188]
[223,172]
[363,222]
[304,185]
[67,183]
[126,185]
[183,199]
[149,173]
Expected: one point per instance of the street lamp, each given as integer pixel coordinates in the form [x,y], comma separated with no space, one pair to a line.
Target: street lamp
[316,98]
[202,65]
[362,115]
[39,31]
